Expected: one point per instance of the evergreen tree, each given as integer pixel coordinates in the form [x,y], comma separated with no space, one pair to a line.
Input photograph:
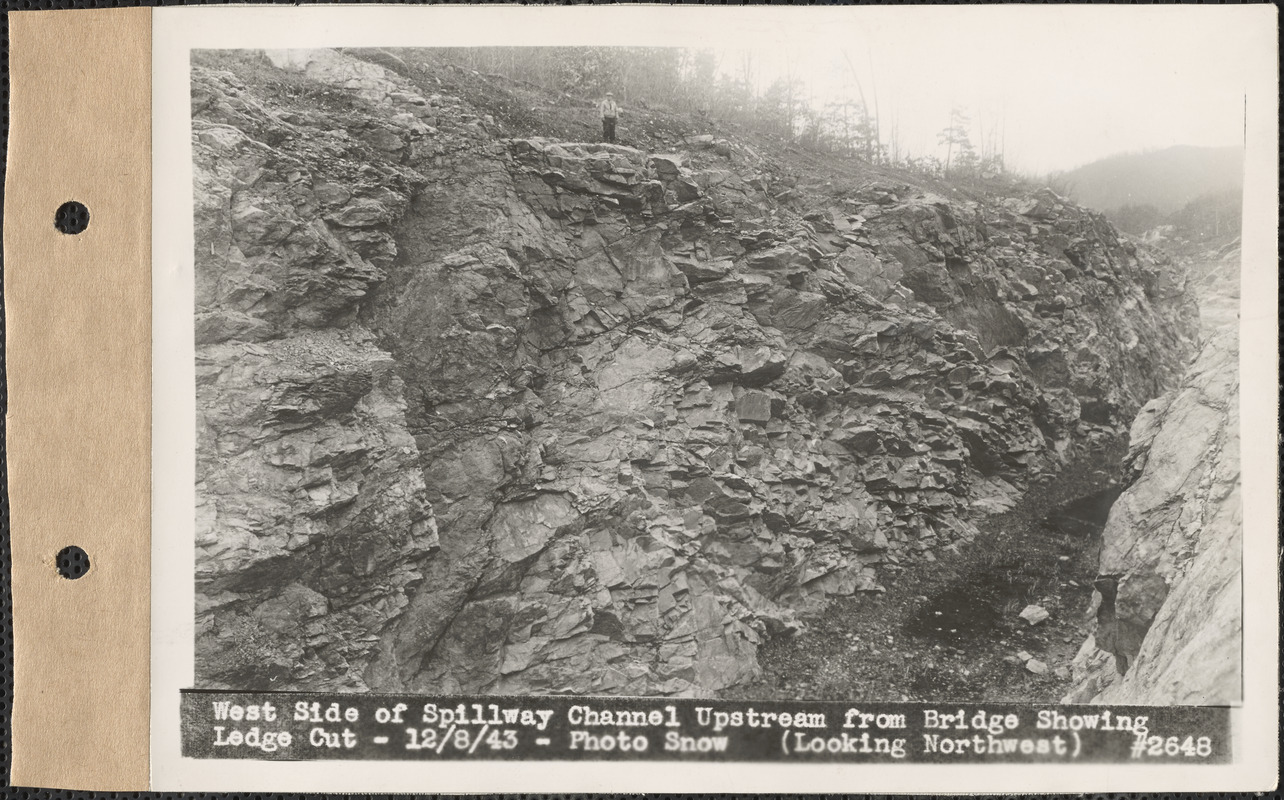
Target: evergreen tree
[958,145]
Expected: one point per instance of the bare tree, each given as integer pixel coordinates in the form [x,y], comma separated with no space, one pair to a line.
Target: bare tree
[859,87]
[878,137]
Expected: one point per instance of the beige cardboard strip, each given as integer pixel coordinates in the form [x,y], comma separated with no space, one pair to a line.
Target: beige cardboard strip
[79,419]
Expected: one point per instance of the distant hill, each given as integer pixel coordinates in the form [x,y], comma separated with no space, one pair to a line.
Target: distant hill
[1165,179]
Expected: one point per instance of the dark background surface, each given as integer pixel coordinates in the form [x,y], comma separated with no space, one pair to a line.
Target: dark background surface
[6,621]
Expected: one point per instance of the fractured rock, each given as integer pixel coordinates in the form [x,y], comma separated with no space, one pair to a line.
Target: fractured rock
[1169,611]
[753,407]
[656,414]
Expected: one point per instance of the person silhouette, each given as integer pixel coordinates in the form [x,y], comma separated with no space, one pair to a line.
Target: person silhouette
[610,112]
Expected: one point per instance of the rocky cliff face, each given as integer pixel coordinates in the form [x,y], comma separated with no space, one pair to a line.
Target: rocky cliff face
[313,520]
[1169,599]
[489,414]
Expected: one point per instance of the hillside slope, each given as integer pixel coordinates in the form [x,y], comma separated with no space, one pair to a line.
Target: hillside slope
[496,413]
[1166,179]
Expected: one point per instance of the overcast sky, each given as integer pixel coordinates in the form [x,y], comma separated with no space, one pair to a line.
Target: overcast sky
[1074,83]
[1066,87]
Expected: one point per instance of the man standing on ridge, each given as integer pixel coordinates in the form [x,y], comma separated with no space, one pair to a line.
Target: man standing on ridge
[610,112]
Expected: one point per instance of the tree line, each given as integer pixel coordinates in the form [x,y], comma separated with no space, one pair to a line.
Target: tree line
[1212,215]
[702,82]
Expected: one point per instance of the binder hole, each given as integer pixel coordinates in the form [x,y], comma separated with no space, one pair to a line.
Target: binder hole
[72,562]
[71,217]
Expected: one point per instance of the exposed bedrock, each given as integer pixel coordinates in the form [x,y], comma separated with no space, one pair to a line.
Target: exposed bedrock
[1169,598]
[488,414]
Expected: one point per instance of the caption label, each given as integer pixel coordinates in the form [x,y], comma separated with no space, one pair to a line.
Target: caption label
[307,726]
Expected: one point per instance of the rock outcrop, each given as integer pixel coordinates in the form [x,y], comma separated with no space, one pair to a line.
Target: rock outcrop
[1168,602]
[487,414]
[313,520]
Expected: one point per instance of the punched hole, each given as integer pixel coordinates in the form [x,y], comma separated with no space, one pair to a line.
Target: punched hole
[71,217]
[72,562]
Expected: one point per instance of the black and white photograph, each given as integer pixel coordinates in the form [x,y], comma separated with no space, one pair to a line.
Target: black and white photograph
[599,398]
[863,372]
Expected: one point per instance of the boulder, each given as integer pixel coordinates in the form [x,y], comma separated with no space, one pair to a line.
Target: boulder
[686,189]
[1033,614]
[666,166]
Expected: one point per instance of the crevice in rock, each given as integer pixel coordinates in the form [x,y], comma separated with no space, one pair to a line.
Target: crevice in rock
[1169,602]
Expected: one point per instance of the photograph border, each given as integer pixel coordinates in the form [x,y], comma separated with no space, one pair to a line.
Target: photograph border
[178,31]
